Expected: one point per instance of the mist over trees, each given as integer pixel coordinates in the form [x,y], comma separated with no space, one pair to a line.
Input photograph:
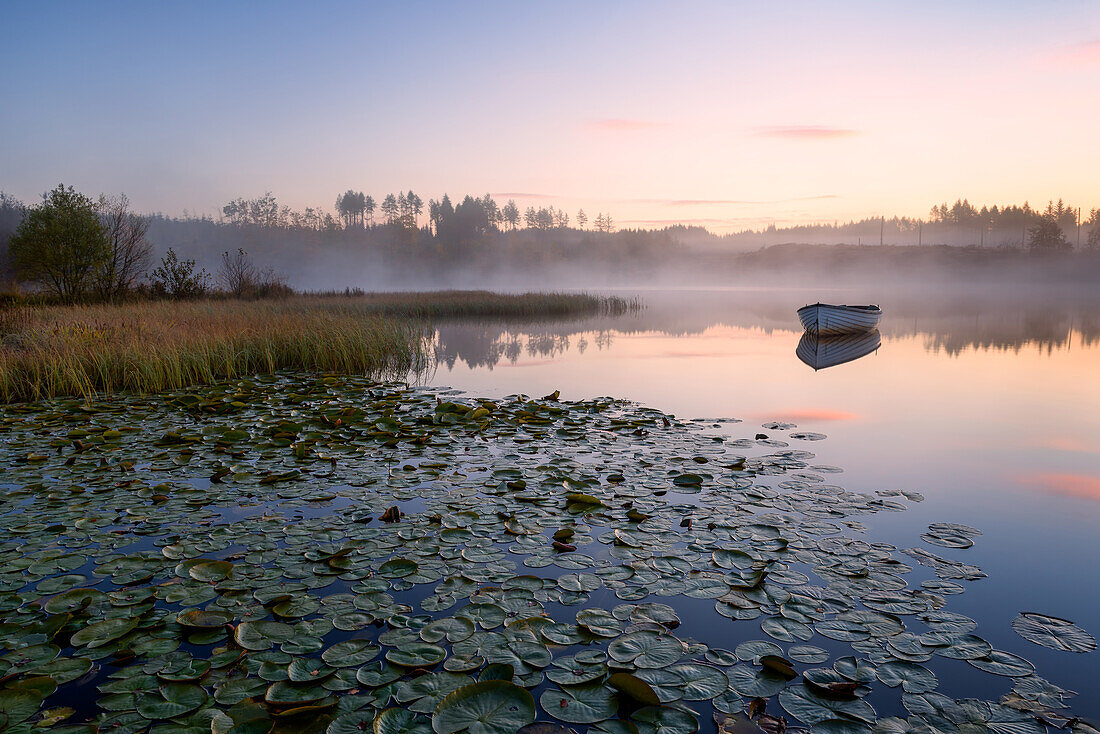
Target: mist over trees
[263,246]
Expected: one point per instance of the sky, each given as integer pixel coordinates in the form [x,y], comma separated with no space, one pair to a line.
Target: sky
[729,115]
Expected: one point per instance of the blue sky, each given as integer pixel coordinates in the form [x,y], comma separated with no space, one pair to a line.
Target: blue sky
[788,112]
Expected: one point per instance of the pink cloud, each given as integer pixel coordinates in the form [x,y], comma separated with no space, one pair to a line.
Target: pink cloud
[621,124]
[1070,444]
[807,414]
[748,202]
[731,221]
[806,132]
[521,195]
[1079,54]
[1072,485]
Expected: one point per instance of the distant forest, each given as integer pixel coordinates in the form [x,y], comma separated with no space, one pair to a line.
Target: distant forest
[401,242]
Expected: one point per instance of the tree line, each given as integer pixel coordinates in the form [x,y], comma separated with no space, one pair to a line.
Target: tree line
[80,248]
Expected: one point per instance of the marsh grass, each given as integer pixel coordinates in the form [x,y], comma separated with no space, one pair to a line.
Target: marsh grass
[155,346]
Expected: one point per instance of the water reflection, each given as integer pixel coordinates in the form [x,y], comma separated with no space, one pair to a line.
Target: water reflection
[948,323]
[829,351]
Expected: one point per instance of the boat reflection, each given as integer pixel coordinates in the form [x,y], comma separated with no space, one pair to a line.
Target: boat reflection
[820,352]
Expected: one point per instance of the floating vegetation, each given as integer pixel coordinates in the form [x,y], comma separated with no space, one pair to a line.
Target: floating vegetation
[1052,632]
[335,554]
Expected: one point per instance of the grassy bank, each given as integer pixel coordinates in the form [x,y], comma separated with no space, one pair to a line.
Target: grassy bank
[155,346]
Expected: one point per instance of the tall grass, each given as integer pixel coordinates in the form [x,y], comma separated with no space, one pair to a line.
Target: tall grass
[156,346]
[476,304]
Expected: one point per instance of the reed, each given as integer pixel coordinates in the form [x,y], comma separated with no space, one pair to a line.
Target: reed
[156,346]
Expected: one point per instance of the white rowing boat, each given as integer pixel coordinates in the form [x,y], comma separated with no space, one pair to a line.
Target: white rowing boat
[825,319]
[820,352]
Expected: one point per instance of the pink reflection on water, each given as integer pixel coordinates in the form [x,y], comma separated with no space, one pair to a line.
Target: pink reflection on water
[1084,486]
[807,414]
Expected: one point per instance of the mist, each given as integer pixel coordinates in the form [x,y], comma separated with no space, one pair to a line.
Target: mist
[479,244]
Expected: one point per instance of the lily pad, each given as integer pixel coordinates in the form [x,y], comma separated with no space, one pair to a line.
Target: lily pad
[489,707]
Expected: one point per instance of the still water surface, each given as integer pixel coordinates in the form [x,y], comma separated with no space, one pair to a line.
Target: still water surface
[987,404]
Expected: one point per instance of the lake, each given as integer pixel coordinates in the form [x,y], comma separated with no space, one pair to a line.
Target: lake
[641,522]
[987,405]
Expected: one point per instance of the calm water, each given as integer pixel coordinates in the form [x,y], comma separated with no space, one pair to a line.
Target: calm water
[989,405]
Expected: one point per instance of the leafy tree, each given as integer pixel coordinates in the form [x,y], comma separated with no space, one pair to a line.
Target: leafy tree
[61,243]
[389,208]
[1047,236]
[11,214]
[178,279]
[411,206]
[368,209]
[510,213]
[350,206]
[262,212]
[492,211]
[129,248]
[1093,223]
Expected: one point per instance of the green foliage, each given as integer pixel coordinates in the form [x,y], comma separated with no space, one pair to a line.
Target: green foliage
[177,279]
[61,243]
[1094,229]
[1047,236]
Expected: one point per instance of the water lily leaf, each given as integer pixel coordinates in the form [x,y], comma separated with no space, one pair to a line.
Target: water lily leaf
[665,720]
[646,649]
[262,634]
[1052,632]
[65,670]
[285,693]
[424,692]
[635,688]
[203,619]
[545,727]
[583,704]
[570,671]
[911,677]
[807,654]
[73,600]
[350,653]
[306,670]
[239,689]
[489,707]
[100,633]
[18,705]
[388,721]
[397,568]
[700,682]
[211,571]
[965,647]
[417,655]
[785,629]
[755,682]
[453,629]
[811,708]
[1004,663]
[171,701]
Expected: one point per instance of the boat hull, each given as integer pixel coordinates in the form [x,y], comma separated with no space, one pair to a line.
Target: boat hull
[820,352]
[825,319]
